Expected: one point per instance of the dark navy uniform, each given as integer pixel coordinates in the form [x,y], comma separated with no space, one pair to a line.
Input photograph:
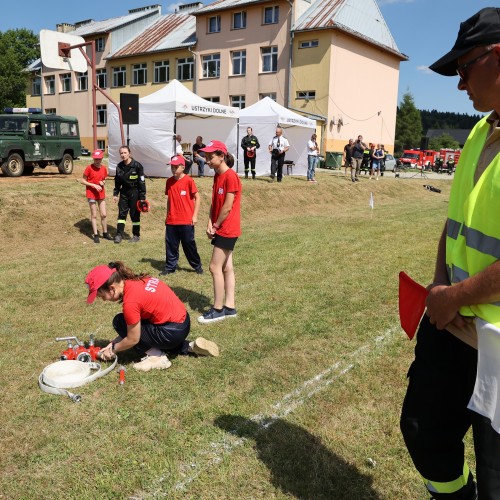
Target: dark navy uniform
[249,141]
[130,186]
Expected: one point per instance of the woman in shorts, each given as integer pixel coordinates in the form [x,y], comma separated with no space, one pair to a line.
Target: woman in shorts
[223,229]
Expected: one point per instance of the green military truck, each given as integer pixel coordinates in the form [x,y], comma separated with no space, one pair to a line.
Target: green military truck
[30,139]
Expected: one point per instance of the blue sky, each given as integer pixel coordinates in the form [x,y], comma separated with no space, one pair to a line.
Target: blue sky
[424,30]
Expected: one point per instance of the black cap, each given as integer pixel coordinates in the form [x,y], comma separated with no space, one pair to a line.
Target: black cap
[482,28]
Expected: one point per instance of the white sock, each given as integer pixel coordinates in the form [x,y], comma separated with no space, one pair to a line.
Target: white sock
[154,351]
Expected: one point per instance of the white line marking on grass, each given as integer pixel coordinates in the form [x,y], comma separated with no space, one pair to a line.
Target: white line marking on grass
[207,458]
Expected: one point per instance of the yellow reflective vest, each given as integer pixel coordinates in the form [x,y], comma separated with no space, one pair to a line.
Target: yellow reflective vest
[473,226]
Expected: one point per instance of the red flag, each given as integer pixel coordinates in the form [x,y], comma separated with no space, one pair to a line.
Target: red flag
[411,303]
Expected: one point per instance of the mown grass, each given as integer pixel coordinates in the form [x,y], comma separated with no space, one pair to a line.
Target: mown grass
[304,400]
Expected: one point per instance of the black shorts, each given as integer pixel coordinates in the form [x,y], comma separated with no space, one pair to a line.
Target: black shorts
[223,242]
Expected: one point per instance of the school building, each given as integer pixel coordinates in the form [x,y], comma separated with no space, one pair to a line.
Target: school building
[334,61]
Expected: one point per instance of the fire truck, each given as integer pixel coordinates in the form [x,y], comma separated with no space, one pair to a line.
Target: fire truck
[418,158]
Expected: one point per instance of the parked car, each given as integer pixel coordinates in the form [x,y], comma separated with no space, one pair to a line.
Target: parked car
[85,152]
[390,163]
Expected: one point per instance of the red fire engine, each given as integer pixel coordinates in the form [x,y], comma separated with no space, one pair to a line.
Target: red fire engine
[417,158]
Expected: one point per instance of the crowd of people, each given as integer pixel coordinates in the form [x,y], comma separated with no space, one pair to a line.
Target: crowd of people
[359,157]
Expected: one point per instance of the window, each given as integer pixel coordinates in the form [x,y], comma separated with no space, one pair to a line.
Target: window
[271,15]
[102,78]
[306,94]
[36,86]
[82,80]
[211,66]
[239,20]
[238,101]
[101,145]
[66,82]
[185,68]
[214,24]
[50,129]
[239,58]
[50,111]
[212,99]
[269,59]
[139,74]
[69,129]
[308,44]
[162,72]
[271,95]
[102,114]
[99,44]
[50,84]
[119,76]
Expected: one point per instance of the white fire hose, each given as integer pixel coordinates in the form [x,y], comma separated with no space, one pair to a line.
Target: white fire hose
[57,377]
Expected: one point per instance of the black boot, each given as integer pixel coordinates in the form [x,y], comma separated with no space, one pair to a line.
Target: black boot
[246,175]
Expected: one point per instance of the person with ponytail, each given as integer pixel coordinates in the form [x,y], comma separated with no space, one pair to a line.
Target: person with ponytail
[154,321]
[223,229]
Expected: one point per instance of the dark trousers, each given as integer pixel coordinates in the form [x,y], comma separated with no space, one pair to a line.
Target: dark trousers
[184,234]
[249,164]
[277,166]
[128,203]
[170,337]
[435,417]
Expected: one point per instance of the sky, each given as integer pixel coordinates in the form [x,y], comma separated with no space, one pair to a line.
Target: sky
[424,30]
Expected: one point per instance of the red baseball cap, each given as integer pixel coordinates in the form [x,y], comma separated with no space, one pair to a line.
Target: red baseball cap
[95,279]
[177,160]
[98,154]
[214,146]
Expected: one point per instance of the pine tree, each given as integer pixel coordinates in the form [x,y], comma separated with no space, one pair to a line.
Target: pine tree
[408,125]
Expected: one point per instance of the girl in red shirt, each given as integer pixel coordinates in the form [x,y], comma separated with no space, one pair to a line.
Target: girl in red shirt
[94,177]
[224,228]
[153,321]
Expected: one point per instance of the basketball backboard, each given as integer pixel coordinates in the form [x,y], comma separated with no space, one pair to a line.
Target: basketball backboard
[51,45]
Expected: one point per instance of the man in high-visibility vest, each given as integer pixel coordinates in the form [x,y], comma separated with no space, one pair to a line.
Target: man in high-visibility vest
[454,381]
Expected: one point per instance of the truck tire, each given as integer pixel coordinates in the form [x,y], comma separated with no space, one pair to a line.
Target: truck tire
[14,166]
[65,166]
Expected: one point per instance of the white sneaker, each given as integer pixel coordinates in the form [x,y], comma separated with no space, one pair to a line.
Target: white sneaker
[153,363]
[204,347]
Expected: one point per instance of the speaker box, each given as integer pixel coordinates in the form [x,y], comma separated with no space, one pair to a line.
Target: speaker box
[129,104]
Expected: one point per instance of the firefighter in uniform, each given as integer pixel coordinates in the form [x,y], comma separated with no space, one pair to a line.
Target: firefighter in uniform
[454,381]
[249,144]
[131,188]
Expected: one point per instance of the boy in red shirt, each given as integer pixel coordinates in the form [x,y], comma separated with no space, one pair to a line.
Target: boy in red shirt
[94,177]
[183,204]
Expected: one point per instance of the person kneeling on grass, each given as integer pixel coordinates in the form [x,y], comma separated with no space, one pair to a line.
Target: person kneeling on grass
[153,321]
[223,230]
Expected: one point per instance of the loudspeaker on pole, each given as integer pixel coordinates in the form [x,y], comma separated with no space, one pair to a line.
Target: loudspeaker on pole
[129,105]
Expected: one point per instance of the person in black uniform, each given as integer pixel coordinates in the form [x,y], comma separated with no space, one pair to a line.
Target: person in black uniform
[130,186]
[249,144]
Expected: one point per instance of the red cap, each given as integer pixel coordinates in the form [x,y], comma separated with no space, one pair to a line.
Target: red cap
[95,279]
[177,160]
[214,146]
[98,154]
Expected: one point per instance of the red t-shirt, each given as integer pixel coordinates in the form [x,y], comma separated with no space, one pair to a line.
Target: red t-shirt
[151,299]
[181,200]
[95,175]
[228,182]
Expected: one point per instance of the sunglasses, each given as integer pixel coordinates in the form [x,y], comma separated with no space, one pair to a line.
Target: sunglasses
[462,70]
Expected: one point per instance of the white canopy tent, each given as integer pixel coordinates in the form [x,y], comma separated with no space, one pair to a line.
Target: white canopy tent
[174,109]
[263,117]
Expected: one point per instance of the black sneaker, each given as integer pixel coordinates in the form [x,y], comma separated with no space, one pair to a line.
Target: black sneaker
[199,270]
[134,239]
[212,315]
[107,236]
[95,237]
[166,271]
[229,312]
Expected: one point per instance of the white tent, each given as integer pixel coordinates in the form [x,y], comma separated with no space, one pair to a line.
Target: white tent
[263,117]
[174,109]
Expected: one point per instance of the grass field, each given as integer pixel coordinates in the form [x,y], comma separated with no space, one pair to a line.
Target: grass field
[304,400]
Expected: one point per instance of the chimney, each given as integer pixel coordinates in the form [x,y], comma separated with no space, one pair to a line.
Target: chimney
[187,8]
[65,27]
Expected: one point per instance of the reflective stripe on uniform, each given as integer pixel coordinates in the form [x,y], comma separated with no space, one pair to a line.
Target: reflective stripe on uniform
[453,228]
[477,240]
[136,223]
[450,486]
[121,221]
